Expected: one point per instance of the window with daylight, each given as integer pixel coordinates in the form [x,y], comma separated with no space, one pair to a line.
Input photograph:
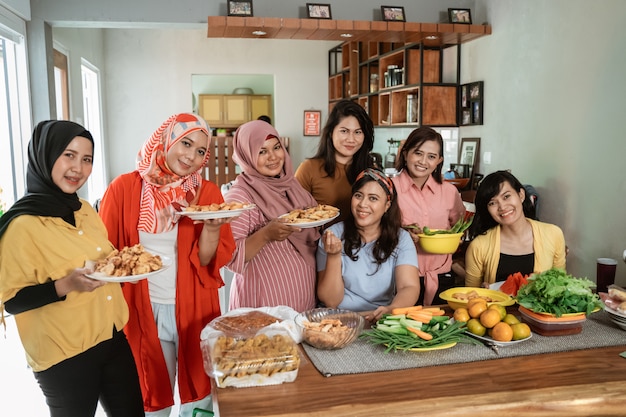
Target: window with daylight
[93,122]
[15,121]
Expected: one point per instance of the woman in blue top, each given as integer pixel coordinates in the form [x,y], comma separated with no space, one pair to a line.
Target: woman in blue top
[368,263]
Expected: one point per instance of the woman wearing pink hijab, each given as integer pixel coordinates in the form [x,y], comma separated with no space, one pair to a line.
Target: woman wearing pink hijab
[169,309]
[274,263]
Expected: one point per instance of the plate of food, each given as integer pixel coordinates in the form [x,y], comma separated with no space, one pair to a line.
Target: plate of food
[311,217]
[458,297]
[130,264]
[216,211]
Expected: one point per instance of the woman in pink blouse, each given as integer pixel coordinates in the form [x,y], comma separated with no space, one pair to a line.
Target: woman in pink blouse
[426,200]
[274,263]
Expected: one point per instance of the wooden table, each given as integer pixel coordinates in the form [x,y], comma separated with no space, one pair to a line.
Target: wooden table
[577,383]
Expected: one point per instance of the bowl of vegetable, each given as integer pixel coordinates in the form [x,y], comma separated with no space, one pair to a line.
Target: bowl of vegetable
[439,242]
[554,302]
[329,328]
[442,241]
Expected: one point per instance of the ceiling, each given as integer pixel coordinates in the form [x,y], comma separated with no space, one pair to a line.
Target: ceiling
[343,30]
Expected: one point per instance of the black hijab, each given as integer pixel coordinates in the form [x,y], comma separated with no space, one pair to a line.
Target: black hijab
[43,197]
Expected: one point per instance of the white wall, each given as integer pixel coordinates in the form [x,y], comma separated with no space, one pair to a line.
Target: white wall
[80,44]
[554,114]
[148,77]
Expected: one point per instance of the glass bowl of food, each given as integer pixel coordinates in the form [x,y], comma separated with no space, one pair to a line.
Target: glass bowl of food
[329,328]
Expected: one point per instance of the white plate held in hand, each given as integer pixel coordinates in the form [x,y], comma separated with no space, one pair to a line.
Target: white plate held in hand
[166,263]
[218,214]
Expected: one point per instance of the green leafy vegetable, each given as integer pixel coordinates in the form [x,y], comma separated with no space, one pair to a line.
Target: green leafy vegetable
[556,292]
[459,227]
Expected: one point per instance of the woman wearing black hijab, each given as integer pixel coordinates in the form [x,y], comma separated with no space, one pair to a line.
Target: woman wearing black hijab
[70,325]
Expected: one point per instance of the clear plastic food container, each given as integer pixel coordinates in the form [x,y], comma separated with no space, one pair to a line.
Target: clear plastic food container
[236,354]
[546,325]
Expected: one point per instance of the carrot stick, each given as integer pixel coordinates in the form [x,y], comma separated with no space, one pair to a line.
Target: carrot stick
[424,318]
[431,308]
[420,334]
[405,310]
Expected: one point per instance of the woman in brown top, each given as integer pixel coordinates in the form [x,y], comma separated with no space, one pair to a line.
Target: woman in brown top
[344,151]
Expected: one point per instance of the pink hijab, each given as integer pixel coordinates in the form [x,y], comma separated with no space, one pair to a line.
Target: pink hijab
[266,191]
[164,193]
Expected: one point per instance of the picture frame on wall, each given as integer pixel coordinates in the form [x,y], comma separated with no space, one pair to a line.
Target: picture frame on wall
[469,152]
[471,96]
[312,122]
[393,13]
[477,113]
[318,11]
[462,16]
[466,117]
[240,8]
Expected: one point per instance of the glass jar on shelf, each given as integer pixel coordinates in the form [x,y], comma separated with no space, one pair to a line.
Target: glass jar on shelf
[373,83]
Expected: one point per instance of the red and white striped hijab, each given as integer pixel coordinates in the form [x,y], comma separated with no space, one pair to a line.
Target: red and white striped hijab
[164,193]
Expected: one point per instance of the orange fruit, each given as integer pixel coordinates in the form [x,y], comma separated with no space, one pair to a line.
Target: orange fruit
[502,332]
[476,309]
[511,319]
[461,314]
[500,308]
[520,331]
[490,317]
[474,327]
[475,300]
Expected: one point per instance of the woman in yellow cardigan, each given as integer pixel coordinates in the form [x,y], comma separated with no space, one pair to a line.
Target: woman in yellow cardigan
[506,239]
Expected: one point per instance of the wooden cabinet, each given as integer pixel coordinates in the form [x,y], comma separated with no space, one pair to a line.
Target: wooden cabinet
[221,110]
[399,84]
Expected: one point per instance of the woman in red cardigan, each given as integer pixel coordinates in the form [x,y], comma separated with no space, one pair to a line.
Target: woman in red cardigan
[169,309]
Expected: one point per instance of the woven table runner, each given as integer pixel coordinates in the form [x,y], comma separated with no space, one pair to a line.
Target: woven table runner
[363,357]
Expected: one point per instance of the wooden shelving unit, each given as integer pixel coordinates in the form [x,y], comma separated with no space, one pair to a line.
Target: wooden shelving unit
[362,71]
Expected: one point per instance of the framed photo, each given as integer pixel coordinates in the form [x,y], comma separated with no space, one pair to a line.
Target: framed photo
[312,122]
[469,152]
[477,113]
[239,8]
[471,99]
[318,11]
[463,16]
[393,13]
[466,117]
[475,91]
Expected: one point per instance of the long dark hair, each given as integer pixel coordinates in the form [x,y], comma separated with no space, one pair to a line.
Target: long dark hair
[416,139]
[390,223]
[489,187]
[326,150]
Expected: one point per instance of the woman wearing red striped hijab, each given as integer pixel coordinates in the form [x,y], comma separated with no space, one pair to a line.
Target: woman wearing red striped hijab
[274,263]
[169,309]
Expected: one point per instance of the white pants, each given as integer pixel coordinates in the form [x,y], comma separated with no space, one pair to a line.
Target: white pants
[165,318]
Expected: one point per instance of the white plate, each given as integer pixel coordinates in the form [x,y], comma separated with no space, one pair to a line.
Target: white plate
[219,214]
[306,225]
[496,285]
[166,261]
[613,312]
[490,341]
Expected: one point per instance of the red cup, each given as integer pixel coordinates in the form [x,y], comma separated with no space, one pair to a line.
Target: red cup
[605,274]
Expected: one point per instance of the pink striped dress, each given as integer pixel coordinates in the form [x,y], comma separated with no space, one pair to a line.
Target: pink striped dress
[277,275]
